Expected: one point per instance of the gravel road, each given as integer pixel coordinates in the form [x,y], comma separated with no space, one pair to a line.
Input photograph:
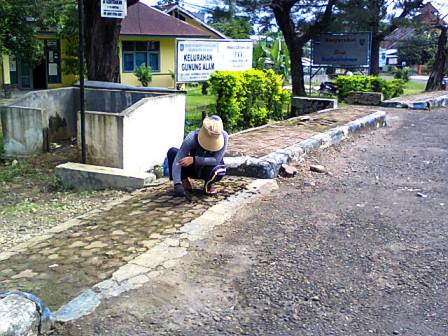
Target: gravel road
[361,250]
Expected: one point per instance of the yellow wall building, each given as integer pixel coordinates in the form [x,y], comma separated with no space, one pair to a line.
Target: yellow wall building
[148,36]
[47,74]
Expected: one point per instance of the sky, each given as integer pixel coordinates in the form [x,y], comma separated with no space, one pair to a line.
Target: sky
[191,8]
[441,5]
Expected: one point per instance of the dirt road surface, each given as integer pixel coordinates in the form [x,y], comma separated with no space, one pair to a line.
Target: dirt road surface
[362,250]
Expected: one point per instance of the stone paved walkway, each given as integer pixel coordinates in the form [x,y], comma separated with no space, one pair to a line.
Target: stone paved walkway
[60,267]
[420,96]
[263,141]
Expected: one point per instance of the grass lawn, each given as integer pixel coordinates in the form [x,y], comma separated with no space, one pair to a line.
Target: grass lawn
[195,99]
[196,103]
[414,87]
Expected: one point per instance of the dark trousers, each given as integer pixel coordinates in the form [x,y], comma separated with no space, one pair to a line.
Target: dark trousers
[206,171]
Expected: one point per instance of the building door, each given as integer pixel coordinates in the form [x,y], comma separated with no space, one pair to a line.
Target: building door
[21,74]
[25,76]
[40,75]
[13,70]
[47,71]
[53,56]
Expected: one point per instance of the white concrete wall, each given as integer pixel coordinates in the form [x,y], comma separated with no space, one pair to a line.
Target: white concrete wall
[24,131]
[60,105]
[150,128]
[104,138]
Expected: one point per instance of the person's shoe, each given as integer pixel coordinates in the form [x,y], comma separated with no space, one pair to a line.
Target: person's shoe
[211,190]
[187,185]
[216,175]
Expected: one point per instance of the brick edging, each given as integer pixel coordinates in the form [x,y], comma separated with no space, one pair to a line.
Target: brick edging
[426,104]
[268,166]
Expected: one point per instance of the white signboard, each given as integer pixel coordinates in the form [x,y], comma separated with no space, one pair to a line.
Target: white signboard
[341,50]
[114,9]
[12,64]
[198,59]
[392,61]
[52,69]
[383,58]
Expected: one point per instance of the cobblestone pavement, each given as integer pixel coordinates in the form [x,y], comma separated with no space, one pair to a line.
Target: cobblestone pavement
[263,141]
[58,268]
[360,251]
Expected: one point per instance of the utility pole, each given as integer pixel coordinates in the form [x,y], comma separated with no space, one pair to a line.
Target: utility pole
[81,80]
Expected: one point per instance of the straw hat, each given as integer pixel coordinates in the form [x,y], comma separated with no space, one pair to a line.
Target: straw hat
[210,135]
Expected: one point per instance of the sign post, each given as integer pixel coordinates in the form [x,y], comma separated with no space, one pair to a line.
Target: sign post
[114,9]
[81,80]
[340,50]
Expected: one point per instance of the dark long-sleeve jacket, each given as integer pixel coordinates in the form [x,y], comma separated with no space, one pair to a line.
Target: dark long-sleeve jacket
[190,147]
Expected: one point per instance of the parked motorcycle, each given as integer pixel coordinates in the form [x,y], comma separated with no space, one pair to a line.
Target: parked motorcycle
[328,88]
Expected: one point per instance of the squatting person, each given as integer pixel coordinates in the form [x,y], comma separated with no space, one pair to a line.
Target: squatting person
[200,157]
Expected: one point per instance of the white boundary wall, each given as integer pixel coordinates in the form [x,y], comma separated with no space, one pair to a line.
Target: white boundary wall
[150,128]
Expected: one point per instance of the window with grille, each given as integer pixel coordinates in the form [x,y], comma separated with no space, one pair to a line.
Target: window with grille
[136,53]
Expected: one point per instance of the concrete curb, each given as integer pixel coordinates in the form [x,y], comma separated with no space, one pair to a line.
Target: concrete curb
[267,167]
[427,104]
[164,255]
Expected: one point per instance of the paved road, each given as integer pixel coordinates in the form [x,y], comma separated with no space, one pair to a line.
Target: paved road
[360,251]
[419,78]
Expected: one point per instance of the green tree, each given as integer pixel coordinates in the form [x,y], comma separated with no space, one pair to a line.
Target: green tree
[381,17]
[226,20]
[300,21]
[102,43]
[440,66]
[273,55]
[18,27]
[420,48]
[144,74]
[236,28]
[21,20]
[62,16]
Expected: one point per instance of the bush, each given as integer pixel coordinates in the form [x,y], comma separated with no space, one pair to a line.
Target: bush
[395,87]
[144,74]
[227,86]
[402,73]
[390,89]
[249,98]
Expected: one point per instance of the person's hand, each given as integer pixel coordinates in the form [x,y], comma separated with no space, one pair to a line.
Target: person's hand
[179,190]
[186,161]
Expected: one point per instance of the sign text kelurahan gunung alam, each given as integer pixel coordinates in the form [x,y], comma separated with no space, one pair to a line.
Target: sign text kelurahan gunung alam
[194,62]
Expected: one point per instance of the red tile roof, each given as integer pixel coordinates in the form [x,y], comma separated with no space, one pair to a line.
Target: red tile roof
[144,20]
[399,34]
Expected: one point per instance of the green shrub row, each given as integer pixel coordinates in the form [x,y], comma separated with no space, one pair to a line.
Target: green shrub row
[389,88]
[248,98]
[402,73]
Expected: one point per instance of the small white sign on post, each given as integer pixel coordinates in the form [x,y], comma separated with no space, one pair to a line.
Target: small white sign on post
[114,9]
[197,59]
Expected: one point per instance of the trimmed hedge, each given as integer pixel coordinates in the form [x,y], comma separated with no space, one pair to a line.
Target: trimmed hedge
[389,88]
[248,98]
